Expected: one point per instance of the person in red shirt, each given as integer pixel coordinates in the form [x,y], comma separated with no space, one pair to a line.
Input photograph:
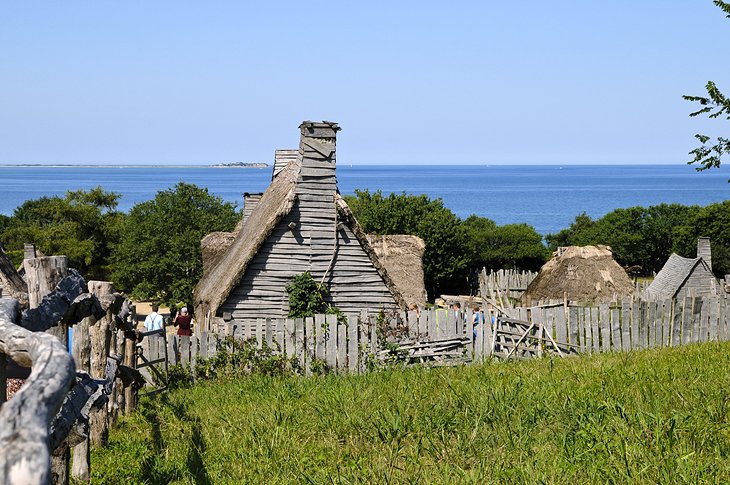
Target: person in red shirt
[184,322]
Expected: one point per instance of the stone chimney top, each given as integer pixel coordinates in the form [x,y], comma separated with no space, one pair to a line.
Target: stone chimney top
[704,251]
[319,129]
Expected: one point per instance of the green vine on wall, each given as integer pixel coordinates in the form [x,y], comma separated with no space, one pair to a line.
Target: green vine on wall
[307,298]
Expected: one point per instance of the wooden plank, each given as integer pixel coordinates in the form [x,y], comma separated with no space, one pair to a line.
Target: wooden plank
[412,325]
[719,315]
[643,327]
[279,325]
[594,329]
[269,333]
[299,342]
[573,327]
[373,327]
[676,329]
[331,342]
[651,324]
[172,350]
[561,334]
[626,325]
[479,329]
[713,314]
[341,347]
[615,329]
[635,319]
[432,332]
[289,338]
[604,315]
[193,353]
[423,324]
[722,323]
[310,345]
[666,323]
[704,316]
[451,322]
[204,345]
[687,320]
[320,330]
[184,344]
[353,352]
[260,322]
[547,318]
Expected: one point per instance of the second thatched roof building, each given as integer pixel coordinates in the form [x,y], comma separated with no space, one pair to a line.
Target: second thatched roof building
[586,274]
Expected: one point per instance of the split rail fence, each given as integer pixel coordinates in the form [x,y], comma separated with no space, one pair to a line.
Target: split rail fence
[440,337]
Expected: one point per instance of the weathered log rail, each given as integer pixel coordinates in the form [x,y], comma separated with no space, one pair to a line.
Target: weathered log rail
[25,455]
[52,410]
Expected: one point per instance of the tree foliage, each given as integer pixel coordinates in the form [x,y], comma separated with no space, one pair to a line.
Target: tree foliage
[495,247]
[81,225]
[158,255]
[646,237]
[455,249]
[445,260]
[714,105]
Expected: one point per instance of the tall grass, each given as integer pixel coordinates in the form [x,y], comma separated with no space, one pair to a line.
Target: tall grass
[644,417]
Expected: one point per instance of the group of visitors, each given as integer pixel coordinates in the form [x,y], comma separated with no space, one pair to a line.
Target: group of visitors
[183,321]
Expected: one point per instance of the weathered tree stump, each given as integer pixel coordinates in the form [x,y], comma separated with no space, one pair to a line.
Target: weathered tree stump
[100,335]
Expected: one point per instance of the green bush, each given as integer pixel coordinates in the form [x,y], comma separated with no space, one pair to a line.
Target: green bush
[236,358]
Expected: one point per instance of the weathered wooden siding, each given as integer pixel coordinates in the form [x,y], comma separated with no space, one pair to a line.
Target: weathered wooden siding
[316,242]
[700,282]
[249,203]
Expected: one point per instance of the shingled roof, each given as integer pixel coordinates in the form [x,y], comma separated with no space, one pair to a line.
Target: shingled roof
[673,275]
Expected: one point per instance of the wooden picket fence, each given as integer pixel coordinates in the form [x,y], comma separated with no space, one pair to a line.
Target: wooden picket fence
[633,324]
[505,285]
[442,337]
[344,345]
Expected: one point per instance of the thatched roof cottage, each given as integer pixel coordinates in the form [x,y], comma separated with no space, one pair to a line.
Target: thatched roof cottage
[586,274]
[680,277]
[301,223]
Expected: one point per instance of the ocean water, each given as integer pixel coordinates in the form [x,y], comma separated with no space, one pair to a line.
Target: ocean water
[547,197]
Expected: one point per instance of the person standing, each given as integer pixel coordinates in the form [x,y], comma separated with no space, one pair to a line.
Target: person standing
[154,320]
[184,322]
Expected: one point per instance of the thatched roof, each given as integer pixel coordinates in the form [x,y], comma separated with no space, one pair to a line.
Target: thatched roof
[583,273]
[675,272]
[402,257]
[213,247]
[227,261]
[218,282]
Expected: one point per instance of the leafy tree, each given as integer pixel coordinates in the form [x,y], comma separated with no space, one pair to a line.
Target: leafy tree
[82,225]
[646,237]
[495,247]
[445,260]
[714,105]
[158,254]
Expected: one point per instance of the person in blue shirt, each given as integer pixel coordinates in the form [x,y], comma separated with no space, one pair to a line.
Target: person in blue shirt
[154,320]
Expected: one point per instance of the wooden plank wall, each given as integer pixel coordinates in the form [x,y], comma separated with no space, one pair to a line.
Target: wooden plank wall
[505,283]
[345,347]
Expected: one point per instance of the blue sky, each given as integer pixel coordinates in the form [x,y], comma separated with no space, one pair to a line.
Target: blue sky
[409,82]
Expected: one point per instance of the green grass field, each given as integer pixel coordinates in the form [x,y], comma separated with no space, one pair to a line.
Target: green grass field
[644,417]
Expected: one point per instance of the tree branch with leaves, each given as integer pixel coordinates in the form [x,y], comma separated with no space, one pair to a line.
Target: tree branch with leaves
[714,105]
